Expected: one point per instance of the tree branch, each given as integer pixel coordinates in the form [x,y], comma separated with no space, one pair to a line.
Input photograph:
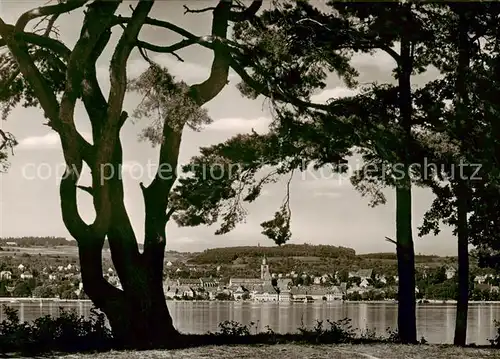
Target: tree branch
[391,241]
[202,40]
[197,11]
[167,49]
[7,140]
[48,10]
[93,99]
[29,70]
[97,21]
[208,89]
[156,194]
[40,40]
[246,14]
[280,96]
[50,24]
[121,236]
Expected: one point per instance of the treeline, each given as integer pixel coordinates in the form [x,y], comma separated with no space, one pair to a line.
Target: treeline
[37,241]
[44,241]
[419,258]
[230,254]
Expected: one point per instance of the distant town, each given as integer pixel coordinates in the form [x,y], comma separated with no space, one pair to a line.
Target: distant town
[48,268]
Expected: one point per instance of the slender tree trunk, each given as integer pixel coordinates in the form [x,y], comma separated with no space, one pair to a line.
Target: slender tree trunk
[407,326]
[463,266]
[461,188]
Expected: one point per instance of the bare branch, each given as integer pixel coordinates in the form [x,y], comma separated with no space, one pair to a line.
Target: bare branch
[48,10]
[160,23]
[145,56]
[197,11]
[168,49]
[50,24]
[391,240]
[40,40]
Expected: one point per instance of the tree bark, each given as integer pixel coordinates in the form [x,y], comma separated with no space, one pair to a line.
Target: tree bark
[138,313]
[461,187]
[463,266]
[407,327]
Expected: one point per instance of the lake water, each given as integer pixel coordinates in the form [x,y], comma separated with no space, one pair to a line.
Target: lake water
[436,322]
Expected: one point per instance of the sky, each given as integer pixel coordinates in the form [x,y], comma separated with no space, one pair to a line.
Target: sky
[326,209]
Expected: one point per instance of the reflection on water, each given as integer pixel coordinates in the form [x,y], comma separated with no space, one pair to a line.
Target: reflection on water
[435,322]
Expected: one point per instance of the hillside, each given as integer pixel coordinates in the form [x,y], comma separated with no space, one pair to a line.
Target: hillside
[290,251]
[242,260]
[315,259]
[36,241]
[59,246]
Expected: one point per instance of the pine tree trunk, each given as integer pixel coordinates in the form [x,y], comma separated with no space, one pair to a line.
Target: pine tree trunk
[463,268]
[138,314]
[407,323]
[461,188]
[142,320]
[407,328]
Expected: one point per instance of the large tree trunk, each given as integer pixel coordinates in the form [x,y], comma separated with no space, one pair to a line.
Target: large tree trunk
[138,314]
[142,319]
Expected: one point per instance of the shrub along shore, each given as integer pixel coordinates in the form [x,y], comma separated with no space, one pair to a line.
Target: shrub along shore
[71,333]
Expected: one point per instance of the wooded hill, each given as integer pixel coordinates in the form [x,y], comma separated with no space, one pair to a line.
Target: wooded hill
[230,254]
[305,256]
[308,256]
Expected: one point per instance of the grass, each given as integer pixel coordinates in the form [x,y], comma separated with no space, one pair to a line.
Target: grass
[72,334]
[295,351]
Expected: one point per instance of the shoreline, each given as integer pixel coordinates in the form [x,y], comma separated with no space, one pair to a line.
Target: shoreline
[428,301]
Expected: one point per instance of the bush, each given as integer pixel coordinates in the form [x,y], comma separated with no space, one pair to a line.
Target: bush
[233,328]
[340,331]
[495,343]
[68,333]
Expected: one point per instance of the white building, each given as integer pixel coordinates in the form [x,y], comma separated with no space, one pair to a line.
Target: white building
[450,272]
[334,293]
[266,293]
[364,283]
[480,279]
[7,275]
[26,275]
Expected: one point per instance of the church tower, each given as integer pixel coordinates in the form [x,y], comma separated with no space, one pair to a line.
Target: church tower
[264,270]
